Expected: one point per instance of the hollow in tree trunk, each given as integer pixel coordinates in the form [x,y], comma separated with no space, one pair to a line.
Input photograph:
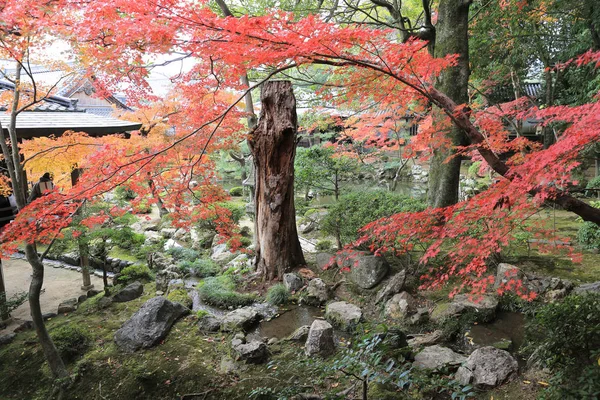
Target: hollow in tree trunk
[273,146]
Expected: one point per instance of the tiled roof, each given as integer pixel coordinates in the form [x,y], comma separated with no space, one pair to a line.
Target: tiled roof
[39,124]
[51,103]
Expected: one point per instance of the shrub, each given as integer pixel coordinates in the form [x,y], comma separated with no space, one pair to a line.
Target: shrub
[237,191]
[135,272]
[202,267]
[70,340]
[180,296]
[323,245]
[278,294]
[355,210]
[220,292]
[183,253]
[565,337]
[201,314]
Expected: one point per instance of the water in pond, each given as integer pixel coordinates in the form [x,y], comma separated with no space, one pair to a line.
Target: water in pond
[287,322]
[508,328]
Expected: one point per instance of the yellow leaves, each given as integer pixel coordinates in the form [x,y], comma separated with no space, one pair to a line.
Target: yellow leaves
[59,156]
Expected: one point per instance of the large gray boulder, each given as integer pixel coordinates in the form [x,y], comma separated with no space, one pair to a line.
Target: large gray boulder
[366,269]
[323,260]
[400,306]
[393,286]
[293,282]
[129,292]
[149,325]
[316,293]
[209,323]
[435,357]
[343,315]
[241,319]
[487,367]
[320,339]
[506,272]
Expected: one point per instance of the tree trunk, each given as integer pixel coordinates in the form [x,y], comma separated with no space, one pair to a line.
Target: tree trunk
[56,364]
[451,38]
[4,315]
[273,146]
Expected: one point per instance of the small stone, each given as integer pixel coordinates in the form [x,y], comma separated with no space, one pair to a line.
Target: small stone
[300,334]
[81,298]
[426,339]
[241,319]
[316,292]
[6,339]
[209,323]
[93,292]
[49,315]
[292,282]
[487,368]
[436,356]
[320,339]
[253,352]
[128,293]
[343,315]
[400,306]
[394,285]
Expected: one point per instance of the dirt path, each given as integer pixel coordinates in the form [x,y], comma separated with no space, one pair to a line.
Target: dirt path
[59,284]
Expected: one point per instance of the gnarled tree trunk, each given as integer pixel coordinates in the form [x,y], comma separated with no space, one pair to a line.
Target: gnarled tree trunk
[273,146]
[451,38]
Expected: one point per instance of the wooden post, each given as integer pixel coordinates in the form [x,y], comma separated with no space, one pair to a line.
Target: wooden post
[84,261]
[273,147]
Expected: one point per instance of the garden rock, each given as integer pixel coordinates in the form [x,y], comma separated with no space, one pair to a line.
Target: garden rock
[209,323]
[161,261]
[240,262]
[588,288]
[505,272]
[128,293]
[400,306]
[393,286]
[436,356]
[320,339]
[366,270]
[426,339]
[300,334]
[163,277]
[316,292]
[152,237]
[292,282]
[70,258]
[67,306]
[485,307]
[265,310]
[6,339]
[253,352]
[487,367]
[168,233]
[241,319]
[171,244]
[149,325]
[344,315]
[323,260]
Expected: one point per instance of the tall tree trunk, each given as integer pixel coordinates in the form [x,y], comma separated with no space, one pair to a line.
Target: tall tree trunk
[56,364]
[273,147]
[4,315]
[451,38]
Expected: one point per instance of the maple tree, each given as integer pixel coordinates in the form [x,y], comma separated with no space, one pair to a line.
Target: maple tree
[117,40]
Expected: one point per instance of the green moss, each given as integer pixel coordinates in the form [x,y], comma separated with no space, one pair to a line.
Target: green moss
[135,272]
[180,296]
[71,340]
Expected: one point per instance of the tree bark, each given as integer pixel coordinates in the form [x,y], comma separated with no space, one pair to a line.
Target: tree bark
[451,38]
[4,315]
[273,147]
[55,362]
